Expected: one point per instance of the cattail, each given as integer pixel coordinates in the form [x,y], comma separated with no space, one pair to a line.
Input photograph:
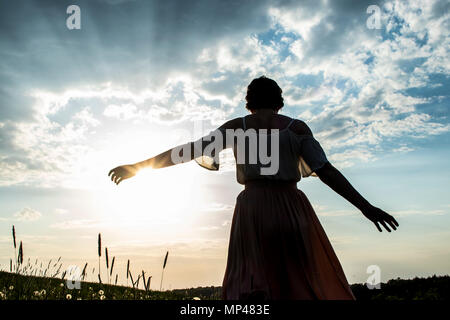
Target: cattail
[112,266]
[143,280]
[106,257]
[99,279]
[10,265]
[20,258]
[107,263]
[99,253]
[63,275]
[99,245]
[164,266]
[165,260]
[128,270]
[83,274]
[14,242]
[148,283]
[117,276]
[14,236]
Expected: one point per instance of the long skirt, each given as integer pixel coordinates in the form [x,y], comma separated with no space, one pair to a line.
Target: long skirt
[278,249]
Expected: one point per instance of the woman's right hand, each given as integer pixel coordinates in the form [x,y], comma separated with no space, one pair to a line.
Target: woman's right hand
[378,216]
[120,173]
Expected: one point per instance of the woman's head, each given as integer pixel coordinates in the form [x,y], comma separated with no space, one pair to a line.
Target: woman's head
[264,93]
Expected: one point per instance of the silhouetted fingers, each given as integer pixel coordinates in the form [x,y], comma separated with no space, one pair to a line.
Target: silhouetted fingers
[394,221]
[390,220]
[391,224]
[112,170]
[119,180]
[385,226]
[378,227]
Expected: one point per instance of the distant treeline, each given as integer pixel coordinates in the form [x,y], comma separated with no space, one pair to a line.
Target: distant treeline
[431,288]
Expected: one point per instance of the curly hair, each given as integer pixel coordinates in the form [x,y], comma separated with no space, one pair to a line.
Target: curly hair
[262,93]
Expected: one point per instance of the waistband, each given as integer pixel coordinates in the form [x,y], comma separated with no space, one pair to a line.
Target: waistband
[270,183]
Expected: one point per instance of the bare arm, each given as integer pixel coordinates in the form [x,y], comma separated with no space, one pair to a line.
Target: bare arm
[332,177]
[162,160]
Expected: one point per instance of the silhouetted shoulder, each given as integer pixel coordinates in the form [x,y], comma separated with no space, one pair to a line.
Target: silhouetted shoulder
[300,127]
[235,123]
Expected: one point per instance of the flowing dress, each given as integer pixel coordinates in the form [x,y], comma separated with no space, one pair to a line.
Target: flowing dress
[278,248]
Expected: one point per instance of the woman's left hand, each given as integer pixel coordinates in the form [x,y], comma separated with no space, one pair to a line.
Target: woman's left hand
[378,216]
[120,173]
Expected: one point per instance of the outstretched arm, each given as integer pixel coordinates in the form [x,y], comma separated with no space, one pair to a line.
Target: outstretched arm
[336,181]
[164,159]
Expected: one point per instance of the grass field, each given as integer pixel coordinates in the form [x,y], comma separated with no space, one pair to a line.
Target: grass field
[19,287]
[47,281]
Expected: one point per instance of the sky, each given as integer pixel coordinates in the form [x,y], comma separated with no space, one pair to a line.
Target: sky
[140,77]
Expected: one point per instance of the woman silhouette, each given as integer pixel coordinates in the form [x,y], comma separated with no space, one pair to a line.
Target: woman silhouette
[278,248]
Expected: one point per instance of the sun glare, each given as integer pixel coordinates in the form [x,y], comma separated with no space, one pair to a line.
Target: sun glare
[163,198]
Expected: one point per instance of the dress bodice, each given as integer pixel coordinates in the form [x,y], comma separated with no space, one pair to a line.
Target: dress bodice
[279,155]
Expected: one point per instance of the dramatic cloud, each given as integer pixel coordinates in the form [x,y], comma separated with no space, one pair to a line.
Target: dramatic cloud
[364,92]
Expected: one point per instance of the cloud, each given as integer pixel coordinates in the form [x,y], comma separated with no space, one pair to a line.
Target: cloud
[27,214]
[61,211]
[324,211]
[76,224]
[343,240]
[432,212]
[218,207]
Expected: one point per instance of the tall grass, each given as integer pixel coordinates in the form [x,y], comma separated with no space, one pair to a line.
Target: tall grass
[54,268]
[107,263]
[128,269]
[164,266]
[15,249]
[99,256]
